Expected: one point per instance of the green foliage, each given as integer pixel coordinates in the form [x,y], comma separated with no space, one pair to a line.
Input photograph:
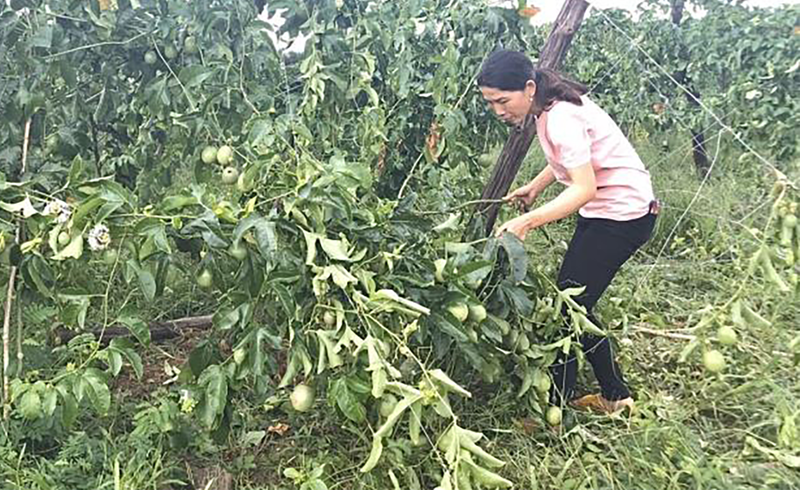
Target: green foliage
[743,74]
[313,267]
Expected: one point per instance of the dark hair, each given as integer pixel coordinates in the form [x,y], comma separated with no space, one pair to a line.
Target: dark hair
[511,70]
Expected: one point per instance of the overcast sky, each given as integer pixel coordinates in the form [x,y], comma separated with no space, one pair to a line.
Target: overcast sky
[550,8]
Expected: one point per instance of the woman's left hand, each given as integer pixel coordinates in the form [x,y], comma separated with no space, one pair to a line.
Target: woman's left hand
[519,226]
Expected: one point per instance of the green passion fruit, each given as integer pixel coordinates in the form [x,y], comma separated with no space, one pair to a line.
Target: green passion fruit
[714,361]
[302,398]
[209,155]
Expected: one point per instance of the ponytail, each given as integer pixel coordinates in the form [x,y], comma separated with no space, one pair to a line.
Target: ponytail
[552,86]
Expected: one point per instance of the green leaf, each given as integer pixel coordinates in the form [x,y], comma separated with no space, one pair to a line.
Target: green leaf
[266,238]
[69,407]
[209,228]
[450,325]
[200,357]
[688,349]
[73,250]
[49,402]
[147,282]
[106,209]
[314,484]
[174,203]
[335,249]
[74,312]
[227,318]
[85,208]
[442,377]
[114,361]
[341,276]
[517,256]
[347,401]
[260,129]
[155,241]
[137,327]
[125,347]
[24,208]
[292,473]
[317,472]
[40,274]
[76,169]
[374,455]
[518,298]
[253,438]
[215,382]
[195,75]
[97,390]
[30,405]
[311,246]
[449,224]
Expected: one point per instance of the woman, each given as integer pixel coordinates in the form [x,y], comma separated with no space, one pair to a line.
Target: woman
[606,183]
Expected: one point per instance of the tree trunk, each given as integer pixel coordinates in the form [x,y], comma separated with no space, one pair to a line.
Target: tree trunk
[519,141]
[701,163]
[159,331]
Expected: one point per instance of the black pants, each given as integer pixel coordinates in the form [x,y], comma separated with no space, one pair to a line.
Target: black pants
[597,250]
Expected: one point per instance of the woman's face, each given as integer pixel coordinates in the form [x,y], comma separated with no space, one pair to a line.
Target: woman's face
[511,106]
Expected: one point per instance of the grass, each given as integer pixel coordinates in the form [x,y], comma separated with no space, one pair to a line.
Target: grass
[692,430]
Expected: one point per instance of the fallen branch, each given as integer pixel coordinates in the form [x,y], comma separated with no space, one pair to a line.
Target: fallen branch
[662,333]
[159,331]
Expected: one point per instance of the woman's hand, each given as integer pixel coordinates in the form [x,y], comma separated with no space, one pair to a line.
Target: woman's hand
[582,190]
[522,197]
[519,226]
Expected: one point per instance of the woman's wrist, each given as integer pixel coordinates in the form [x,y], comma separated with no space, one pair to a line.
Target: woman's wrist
[531,220]
[534,187]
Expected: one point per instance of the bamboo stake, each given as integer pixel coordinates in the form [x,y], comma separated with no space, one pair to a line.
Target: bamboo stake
[10,292]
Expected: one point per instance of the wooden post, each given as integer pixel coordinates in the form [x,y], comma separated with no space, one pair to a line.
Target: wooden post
[519,141]
[699,153]
[676,10]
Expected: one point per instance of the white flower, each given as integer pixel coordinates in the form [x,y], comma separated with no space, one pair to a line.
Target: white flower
[99,237]
[59,208]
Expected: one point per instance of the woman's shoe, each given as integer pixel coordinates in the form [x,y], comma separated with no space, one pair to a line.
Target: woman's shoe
[598,403]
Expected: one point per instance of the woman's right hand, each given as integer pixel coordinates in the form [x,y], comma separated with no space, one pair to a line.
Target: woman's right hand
[523,197]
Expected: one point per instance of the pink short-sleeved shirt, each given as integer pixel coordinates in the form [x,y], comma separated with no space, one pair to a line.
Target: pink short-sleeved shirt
[573,135]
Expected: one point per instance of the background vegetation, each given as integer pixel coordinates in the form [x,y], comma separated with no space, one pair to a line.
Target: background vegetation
[336,257]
